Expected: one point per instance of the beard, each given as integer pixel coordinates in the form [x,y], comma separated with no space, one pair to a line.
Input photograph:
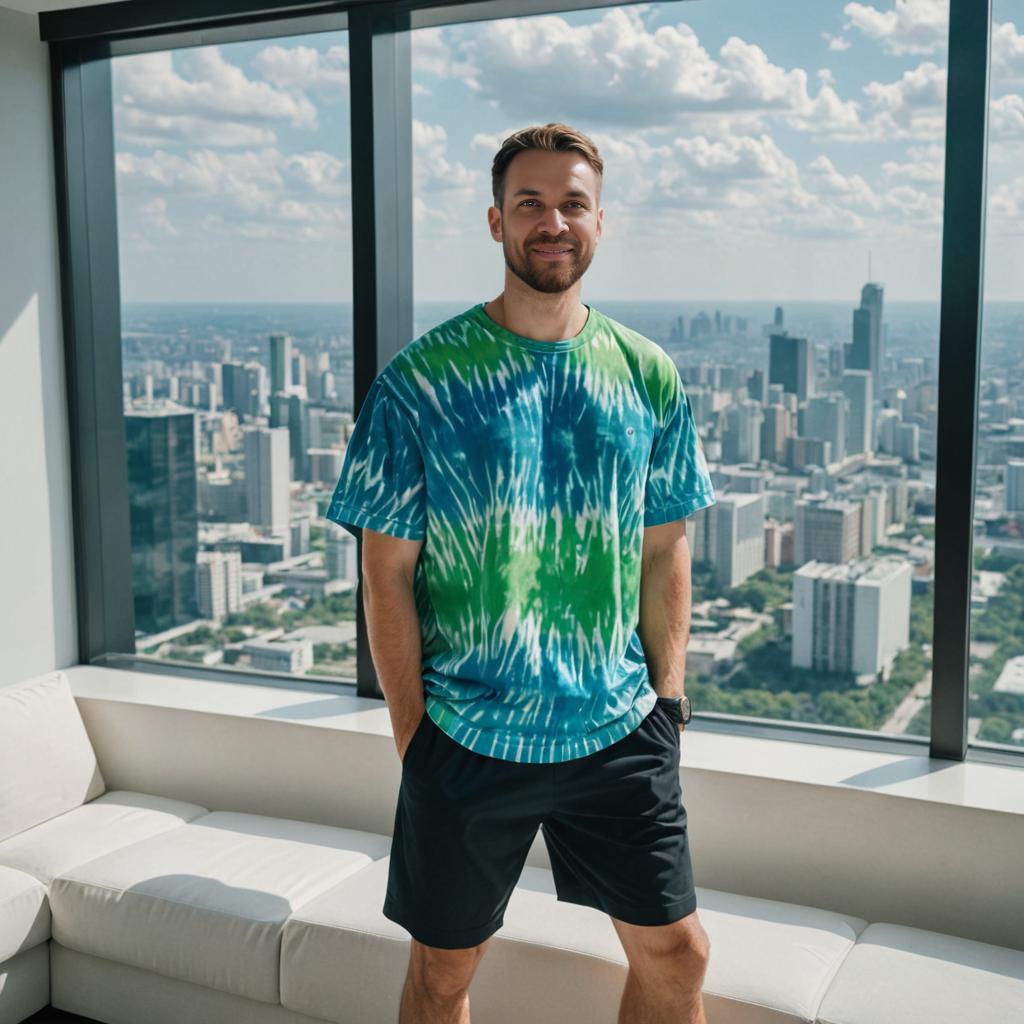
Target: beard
[544,276]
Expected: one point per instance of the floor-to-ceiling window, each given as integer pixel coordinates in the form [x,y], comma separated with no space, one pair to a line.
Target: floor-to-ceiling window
[996,705]
[773,216]
[233,210]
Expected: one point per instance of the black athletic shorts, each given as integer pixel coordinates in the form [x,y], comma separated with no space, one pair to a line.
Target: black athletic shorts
[613,822]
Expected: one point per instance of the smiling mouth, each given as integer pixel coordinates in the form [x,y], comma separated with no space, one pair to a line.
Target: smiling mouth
[552,254]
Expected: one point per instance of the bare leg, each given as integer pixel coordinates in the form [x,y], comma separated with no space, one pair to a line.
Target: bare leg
[667,965]
[436,989]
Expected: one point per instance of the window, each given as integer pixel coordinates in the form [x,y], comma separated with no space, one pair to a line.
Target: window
[996,707]
[233,208]
[773,219]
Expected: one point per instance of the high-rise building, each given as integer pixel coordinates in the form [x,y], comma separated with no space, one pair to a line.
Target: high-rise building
[825,417]
[791,364]
[161,448]
[1015,485]
[280,362]
[267,478]
[856,386]
[735,542]
[298,436]
[827,531]
[865,351]
[851,618]
[741,439]
[219,583]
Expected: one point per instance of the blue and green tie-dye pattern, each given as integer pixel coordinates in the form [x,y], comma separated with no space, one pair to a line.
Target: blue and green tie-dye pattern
[529,469]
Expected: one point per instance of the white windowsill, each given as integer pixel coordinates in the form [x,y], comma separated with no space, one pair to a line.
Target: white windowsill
[967,784]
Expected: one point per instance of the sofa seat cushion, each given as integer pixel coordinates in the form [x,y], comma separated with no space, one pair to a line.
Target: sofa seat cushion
[24,913]
[47,764]
[206,902]
[901,975]
[342,960]
[111,821]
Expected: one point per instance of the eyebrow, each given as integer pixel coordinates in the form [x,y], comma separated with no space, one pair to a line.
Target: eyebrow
[536,192]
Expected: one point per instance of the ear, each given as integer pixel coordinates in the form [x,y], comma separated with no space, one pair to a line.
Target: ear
[494,222]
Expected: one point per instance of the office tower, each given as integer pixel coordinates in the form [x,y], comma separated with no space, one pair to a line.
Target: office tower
[279,407]
[1015,485]
[757,385]
[266,477]
[741,439]
[779,318]
[778,424]
[222,497]
[245,388]
[851,618]
[801,453]
[339,553]
[280,362]
[219,583]
[791,364]
[298,436]
[827,531]
[700,325]
[865,351]
[324,465]
[825,417]
[856,386]
[736,542]
[908,442]
[161,449]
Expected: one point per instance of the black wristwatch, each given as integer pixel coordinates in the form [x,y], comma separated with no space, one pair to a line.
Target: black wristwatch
[678,708]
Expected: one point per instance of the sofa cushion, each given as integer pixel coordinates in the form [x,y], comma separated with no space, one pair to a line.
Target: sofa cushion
[901,975]
[206,902]
[24,913]
[342,960]
[113,820]
[47,764]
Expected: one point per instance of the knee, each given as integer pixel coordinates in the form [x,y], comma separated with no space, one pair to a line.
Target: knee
[444,973]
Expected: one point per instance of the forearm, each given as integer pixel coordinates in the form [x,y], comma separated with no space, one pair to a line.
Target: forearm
[393,631]
[664,626]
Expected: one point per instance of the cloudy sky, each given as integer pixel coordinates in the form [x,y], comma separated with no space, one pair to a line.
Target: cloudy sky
[752,151]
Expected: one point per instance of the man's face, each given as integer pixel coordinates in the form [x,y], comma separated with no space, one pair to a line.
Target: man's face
[541,213]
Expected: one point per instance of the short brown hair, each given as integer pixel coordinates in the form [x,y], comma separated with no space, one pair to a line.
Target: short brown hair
[555,137]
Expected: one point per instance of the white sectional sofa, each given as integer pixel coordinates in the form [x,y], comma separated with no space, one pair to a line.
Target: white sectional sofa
[126,907]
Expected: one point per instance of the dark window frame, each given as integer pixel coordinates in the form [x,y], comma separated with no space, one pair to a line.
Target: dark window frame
[82,40]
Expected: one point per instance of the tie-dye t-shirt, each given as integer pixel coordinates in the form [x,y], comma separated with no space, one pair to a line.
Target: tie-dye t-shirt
[529,470]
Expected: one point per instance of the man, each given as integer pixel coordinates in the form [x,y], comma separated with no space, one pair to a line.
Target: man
[521,473]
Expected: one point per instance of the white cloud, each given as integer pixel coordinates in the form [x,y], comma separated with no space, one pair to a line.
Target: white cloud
[304,68]
[836,43]
[432,54]
[926,165]
[256,194]
[1006,116]
[210,87]
[908,26]
[617,72]
[443,190]
[138,127]
[1007,53]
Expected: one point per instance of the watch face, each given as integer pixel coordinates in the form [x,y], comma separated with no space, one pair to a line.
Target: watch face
[685,708]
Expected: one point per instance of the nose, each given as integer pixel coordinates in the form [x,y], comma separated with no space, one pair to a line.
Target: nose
[553,221]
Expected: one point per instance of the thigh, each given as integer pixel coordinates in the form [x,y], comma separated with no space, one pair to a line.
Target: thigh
[617,836]
[464,824]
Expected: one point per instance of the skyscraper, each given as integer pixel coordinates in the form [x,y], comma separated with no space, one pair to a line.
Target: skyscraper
[161,447]
[280,362]
[791,364]
[865,351]
[267,478]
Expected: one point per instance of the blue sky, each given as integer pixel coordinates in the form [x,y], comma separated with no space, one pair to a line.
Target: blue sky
[752,151]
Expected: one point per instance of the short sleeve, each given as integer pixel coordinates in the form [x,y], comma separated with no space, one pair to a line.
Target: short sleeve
[382,484]
[678,480]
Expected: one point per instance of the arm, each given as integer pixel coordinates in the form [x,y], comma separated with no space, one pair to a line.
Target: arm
[664,627]
[393,628]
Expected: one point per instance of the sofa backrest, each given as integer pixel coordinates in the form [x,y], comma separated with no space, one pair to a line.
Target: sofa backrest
[47,764]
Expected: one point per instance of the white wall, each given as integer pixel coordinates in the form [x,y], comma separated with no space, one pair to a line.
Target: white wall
[37,600]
